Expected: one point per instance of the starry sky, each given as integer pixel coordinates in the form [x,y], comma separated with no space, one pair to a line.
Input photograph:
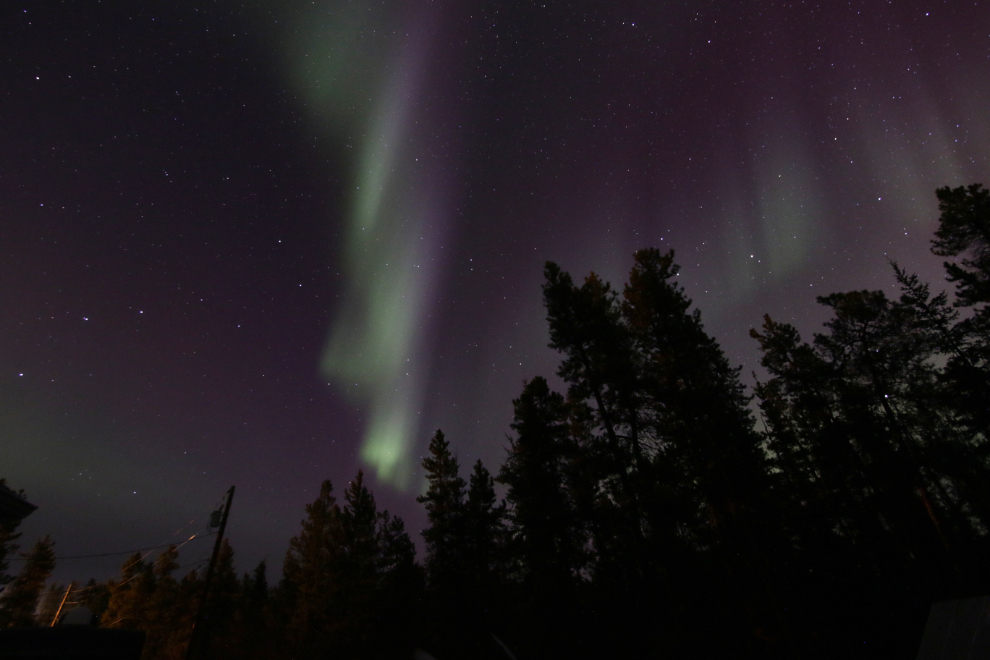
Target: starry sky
[266,243]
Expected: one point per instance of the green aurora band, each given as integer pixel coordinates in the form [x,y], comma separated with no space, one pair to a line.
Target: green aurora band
[359,76]
[359,68]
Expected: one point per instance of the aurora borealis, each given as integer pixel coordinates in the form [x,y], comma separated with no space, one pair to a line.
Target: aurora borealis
[265,243]
[395,218]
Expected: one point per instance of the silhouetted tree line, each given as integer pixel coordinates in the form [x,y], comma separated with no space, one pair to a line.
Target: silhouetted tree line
[647,513]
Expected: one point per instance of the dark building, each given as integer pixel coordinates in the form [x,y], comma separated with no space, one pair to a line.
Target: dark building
[957,630]
[14,507]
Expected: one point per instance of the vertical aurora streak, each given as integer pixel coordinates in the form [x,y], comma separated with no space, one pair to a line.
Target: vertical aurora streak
[376,334]
[361,67]
[361,78]
[257,242]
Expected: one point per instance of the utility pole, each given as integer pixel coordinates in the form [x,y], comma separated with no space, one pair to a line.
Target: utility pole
[61,605]
[197,631]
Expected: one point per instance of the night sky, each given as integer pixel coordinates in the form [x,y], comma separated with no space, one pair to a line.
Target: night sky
[268,243]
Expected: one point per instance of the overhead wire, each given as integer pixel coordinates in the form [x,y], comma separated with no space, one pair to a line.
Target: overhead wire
[146,551]
[125,552]
[154,547]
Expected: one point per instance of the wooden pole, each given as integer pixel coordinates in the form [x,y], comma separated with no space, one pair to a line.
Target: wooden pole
[60,605]
[197,631]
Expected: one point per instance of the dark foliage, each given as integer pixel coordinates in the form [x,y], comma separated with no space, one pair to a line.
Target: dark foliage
[8,540]
[646,514]
[21,597]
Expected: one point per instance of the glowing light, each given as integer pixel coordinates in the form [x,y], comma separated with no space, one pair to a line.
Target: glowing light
[356,85]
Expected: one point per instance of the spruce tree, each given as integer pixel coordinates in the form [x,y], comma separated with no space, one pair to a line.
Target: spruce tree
[547,534]
[308,582]
[603,415]
[484,533]
[964,235]
[964,230]
[875,372]
[94,596]
[664,466]
[700,472]
[345,575]
[372,566]
[187,604]
[879,483]
[444,503]
[695,414]
[356,564]
[586,328]
[399,588]
[548,538]
[19,600]
[130,597]
[165,617]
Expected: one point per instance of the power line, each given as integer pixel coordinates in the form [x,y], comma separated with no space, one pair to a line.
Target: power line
[122,552]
